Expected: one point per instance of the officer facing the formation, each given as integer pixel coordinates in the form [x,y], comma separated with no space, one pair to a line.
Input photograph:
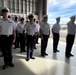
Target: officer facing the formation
[71,28]
[56,34]
[45,34]
[30,30]
[20,29]
[7,29]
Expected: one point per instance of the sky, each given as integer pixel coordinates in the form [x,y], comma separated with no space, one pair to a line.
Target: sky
[61,8]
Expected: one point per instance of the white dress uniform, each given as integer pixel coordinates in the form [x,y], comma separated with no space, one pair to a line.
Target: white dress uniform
[37,28]
[7,27]
[20,28]
[6,31]
[45,28]
[71,29]
[30,30]
[56,28]
[16,23]
[56,35]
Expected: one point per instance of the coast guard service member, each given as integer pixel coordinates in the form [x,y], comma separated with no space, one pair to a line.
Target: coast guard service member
[7,28]
[20,28]
[56,34]
[30,30]
[71,28]
[45,34]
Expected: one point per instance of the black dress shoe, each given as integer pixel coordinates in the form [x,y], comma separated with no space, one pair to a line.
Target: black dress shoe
[21,51]
[57,51]
[37,42]
[67,56]
[71,55]
[24,51]
[45,53]
[11,65]
[35,48]
[1,55]
[32,57]
[4,67]
[15,47]
[27,59]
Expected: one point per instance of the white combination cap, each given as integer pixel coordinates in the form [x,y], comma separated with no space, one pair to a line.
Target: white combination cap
[57,18]
[72,17]
[45,16]
[5,9]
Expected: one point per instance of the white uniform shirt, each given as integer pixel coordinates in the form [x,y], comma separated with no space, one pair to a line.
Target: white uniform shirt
[6,26]
[30,28]
[16,23]
[71,27]
[37,28]
[20,27]
[56,28]
[45,27]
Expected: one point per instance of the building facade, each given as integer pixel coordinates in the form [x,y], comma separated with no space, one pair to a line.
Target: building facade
[24,7]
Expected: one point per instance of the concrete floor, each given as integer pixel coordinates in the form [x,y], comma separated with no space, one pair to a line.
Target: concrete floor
[53,64]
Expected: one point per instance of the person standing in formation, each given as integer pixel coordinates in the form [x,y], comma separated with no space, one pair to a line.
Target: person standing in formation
[30,28]
[71,28]
[45,34]
[20,30]
[56,34]
[7,28]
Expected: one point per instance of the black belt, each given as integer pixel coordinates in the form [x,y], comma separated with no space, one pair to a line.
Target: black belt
[7,35]
[30,35]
